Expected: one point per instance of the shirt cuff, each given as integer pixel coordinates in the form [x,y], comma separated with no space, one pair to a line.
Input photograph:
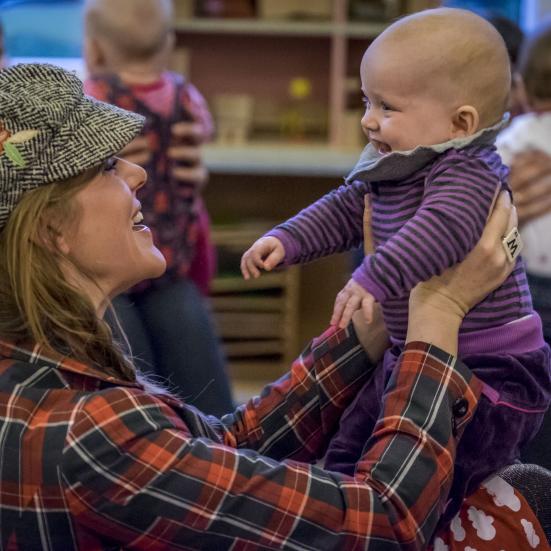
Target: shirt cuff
[462,386]
[292,248]
[362,277]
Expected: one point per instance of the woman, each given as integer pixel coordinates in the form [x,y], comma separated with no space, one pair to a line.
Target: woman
[93,457]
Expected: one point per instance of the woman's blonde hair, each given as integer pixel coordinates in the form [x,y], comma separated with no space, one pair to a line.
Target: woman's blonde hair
[37,303]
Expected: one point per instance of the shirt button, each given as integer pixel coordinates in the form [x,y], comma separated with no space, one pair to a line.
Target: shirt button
[460,408]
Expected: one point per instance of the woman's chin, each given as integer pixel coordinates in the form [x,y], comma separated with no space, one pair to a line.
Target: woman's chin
[154,267]
[158,266]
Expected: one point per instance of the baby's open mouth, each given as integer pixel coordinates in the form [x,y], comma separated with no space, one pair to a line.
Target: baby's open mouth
[382,148]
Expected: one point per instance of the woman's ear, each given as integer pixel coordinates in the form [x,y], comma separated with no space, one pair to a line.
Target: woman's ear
[51,238]
[465,121]
[60,242]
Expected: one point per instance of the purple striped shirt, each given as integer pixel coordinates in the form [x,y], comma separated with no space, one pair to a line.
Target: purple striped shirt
[421,225]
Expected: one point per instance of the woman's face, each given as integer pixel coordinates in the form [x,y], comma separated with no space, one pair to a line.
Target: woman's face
[108,240]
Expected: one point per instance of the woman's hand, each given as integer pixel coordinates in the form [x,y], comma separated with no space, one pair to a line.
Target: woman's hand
[373,337]
[530,180]
[437,306]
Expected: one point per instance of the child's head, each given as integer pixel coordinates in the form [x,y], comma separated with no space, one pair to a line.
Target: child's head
[431,77]
[123,33]
[534,68]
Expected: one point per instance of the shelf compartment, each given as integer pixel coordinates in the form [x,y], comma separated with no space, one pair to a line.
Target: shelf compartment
[275,27]
[238,325]
[255,348]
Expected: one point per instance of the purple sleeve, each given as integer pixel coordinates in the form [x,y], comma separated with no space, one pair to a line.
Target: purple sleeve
[332,224]
[456,203]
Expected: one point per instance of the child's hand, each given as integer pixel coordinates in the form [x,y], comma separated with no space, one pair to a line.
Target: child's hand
[352,297]
[265,254]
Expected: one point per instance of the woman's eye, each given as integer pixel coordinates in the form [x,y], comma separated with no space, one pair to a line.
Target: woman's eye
[111,164]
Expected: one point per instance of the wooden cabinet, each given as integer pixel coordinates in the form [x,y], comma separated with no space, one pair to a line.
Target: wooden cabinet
[257,319]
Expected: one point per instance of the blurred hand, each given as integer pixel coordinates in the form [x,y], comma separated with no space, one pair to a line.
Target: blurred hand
[530,180]
[137,151]
[265,254]
[186,151]
[191,133]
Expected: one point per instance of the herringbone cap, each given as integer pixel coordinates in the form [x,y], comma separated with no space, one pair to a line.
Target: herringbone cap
[51,131]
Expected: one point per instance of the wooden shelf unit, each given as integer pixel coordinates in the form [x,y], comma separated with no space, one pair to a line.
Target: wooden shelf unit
[259,57]
[257,319]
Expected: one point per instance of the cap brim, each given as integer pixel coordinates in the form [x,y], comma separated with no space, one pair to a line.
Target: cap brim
[95,132]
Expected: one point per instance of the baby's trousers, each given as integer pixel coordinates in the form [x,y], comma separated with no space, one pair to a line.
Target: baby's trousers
[516,395]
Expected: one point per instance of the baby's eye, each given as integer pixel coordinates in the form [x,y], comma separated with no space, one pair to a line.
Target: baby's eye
[385,106]
[366,101]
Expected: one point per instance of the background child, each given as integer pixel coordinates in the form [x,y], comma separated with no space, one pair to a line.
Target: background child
[436,85]
[532,131]
[528,136]
[127,48]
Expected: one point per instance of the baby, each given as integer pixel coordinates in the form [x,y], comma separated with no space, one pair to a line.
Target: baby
[436,86]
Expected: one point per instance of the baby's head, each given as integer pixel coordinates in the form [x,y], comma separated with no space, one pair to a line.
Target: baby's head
[431,77]
[534,68]
[120,33]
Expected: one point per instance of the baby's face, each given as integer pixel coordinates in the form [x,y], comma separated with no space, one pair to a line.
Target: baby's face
[403,109]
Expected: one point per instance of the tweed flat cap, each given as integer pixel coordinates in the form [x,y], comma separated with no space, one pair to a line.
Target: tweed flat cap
[50,131]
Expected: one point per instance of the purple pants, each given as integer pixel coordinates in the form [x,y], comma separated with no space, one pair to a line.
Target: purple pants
[517,394]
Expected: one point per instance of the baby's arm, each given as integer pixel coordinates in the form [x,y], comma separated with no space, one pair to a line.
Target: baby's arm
[330,225]
[458,198]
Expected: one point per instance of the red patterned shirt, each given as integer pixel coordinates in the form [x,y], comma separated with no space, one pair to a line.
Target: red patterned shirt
[91,462]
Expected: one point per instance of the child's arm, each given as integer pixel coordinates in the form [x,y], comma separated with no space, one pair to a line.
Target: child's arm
[330,225]
[459,195]
[195,104]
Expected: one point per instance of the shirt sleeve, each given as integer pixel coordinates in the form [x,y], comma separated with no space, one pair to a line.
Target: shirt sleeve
[136,475]
[448,224]
[332,224]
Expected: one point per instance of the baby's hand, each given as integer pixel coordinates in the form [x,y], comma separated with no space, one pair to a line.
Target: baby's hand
[265,254]
[352,297]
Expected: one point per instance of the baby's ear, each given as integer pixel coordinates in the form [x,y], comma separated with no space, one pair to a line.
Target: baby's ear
[465,121]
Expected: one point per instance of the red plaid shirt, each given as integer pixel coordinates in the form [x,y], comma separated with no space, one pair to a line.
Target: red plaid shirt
[90,462]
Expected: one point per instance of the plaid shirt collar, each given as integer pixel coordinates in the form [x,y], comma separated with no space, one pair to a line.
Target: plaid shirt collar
[34,354]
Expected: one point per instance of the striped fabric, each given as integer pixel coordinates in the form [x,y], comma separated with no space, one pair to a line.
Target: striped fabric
[89,462]
[421,226]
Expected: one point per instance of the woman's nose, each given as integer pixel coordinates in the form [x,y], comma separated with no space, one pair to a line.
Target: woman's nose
[134,175]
